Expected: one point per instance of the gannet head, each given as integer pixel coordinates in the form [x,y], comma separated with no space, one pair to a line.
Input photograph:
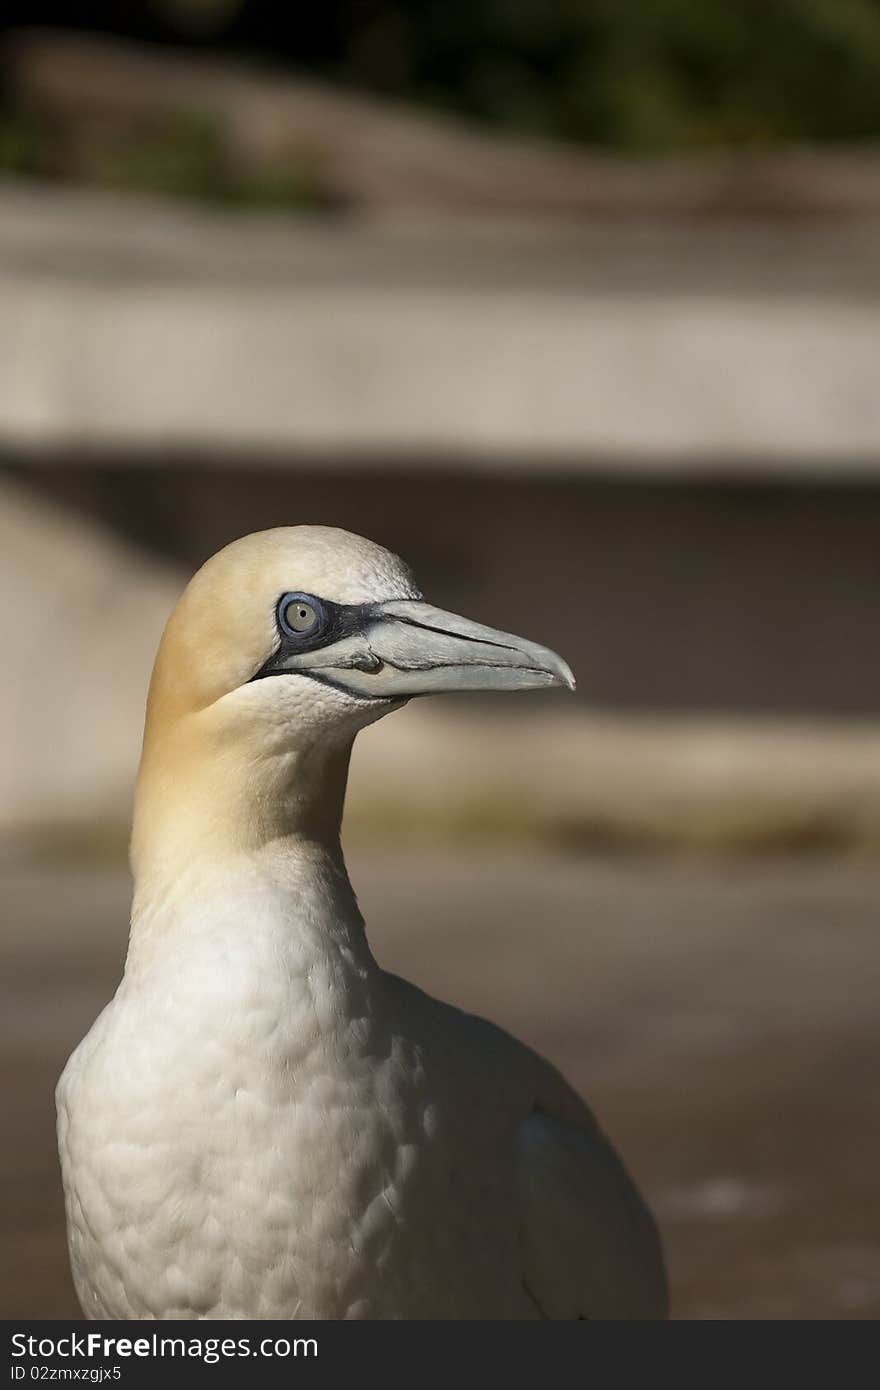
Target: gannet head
[282,646]
[312,616]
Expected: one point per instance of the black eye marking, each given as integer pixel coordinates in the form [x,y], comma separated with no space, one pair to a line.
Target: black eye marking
[306,623]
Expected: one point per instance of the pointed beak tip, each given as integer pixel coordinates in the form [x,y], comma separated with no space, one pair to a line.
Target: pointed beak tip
[567,676]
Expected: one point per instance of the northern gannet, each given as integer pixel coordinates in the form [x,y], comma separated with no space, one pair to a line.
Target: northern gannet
[263,1123]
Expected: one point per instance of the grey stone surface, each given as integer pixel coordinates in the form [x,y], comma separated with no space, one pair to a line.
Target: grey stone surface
[137,328]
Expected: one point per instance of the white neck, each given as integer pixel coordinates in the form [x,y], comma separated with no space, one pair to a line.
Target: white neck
[229,847]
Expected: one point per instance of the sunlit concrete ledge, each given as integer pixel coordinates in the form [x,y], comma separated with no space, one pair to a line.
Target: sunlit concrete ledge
[134,327]
[584,778]
[578,782]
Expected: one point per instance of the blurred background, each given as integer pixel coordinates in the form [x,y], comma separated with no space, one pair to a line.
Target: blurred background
[576,305]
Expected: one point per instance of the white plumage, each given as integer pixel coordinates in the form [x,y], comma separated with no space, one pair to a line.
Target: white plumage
[263,1123]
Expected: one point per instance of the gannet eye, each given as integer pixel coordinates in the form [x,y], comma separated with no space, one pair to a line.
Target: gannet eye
[300,615]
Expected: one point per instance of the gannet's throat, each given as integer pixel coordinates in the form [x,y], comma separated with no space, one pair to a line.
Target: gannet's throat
[224,784]
[241,866]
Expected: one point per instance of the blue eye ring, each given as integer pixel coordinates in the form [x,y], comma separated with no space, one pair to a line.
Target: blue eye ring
[301,617]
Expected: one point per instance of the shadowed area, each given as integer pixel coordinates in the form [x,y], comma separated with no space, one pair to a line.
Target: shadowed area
[721,1019]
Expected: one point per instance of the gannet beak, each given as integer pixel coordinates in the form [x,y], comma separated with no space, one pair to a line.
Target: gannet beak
[406,647]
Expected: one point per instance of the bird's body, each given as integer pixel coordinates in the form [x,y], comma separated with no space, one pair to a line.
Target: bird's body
[265,1124]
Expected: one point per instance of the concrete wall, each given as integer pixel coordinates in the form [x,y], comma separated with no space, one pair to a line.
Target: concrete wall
[683,348]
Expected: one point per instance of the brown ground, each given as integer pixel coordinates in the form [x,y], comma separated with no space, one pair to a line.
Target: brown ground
[722,1020]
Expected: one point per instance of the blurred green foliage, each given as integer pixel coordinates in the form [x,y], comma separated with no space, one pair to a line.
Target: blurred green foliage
[22,145]
[647,75]
[641,75]
[632,75]
[187,156]
[182,156]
